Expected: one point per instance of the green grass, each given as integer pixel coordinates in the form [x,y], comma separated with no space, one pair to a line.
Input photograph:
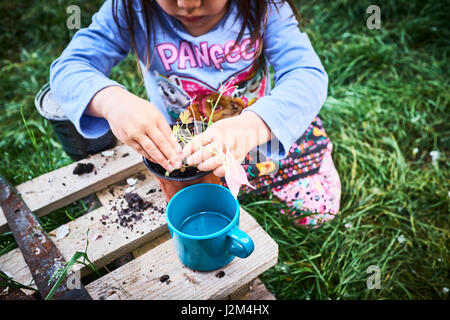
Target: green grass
[387,109]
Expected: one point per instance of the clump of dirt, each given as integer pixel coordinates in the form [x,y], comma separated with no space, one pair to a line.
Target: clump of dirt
[83,168]
[220,274]
[164,278]
[140,176]
[136,203]
[128,210]
[128,217]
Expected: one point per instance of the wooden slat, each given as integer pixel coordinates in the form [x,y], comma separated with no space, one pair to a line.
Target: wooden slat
[140,278]
[58,188]
[150,245]
[108,194]
[113,242]
[14,265]
[258,291]
[144,182]
[241,293]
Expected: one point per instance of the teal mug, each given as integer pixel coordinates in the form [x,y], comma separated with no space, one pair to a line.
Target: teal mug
[203,221]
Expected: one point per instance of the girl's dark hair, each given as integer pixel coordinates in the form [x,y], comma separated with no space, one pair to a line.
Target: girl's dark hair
[252,12]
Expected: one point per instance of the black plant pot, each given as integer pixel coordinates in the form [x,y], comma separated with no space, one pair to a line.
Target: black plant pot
[190,173]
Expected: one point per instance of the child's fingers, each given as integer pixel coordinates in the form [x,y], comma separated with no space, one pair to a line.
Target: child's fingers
[136,146]
[201,155]
[197,142]
[152,150]
[220,171]
[165,148]
[167,132]
[210,164]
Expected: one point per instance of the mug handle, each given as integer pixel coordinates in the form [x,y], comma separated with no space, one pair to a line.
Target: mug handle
[241,244]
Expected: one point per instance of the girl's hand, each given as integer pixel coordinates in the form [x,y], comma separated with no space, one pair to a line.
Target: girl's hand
[139,124]
[237,135]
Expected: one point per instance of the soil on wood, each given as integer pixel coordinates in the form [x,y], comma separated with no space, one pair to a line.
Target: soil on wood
[129,209]
[140,176]
[186,173]
[83,168]
[135,202]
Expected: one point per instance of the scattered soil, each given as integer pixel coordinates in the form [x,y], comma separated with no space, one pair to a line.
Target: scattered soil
[140,176]
[136,203]
[129,210]
[83,168]
[220,274]
[128,216]
[122,183]
[164,278]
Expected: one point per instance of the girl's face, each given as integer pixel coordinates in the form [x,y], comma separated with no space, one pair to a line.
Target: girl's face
[197,16]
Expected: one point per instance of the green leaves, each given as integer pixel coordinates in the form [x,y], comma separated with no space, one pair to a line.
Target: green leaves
[185,117]
[61,273]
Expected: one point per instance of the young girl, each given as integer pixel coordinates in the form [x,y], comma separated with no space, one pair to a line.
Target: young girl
[187,52]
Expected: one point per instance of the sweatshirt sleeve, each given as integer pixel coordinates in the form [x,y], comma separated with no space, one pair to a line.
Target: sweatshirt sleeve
[301,82]
[84,66]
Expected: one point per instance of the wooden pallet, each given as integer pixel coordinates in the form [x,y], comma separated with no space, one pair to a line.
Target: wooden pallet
[149,240]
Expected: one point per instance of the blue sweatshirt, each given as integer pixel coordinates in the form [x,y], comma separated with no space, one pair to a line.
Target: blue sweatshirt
[191,71]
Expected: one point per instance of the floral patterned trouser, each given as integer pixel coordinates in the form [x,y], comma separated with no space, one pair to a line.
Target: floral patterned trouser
[318,194]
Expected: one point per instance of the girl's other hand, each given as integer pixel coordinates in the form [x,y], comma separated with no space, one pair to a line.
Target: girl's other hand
[139,124]
[237,135]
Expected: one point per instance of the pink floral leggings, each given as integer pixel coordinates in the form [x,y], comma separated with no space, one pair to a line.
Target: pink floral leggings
[315,197]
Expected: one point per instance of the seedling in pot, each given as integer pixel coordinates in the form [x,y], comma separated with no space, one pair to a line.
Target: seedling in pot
[235,174]
[185,131]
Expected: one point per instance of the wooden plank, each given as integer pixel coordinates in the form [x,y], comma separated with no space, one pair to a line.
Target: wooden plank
[150,245]
[140,278]
[107,241]
[111,192]
[258,291]
[14,265]
[240,294]
[58,188]
[145,182]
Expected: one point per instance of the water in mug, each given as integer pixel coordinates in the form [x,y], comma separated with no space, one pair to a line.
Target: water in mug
[204,223]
